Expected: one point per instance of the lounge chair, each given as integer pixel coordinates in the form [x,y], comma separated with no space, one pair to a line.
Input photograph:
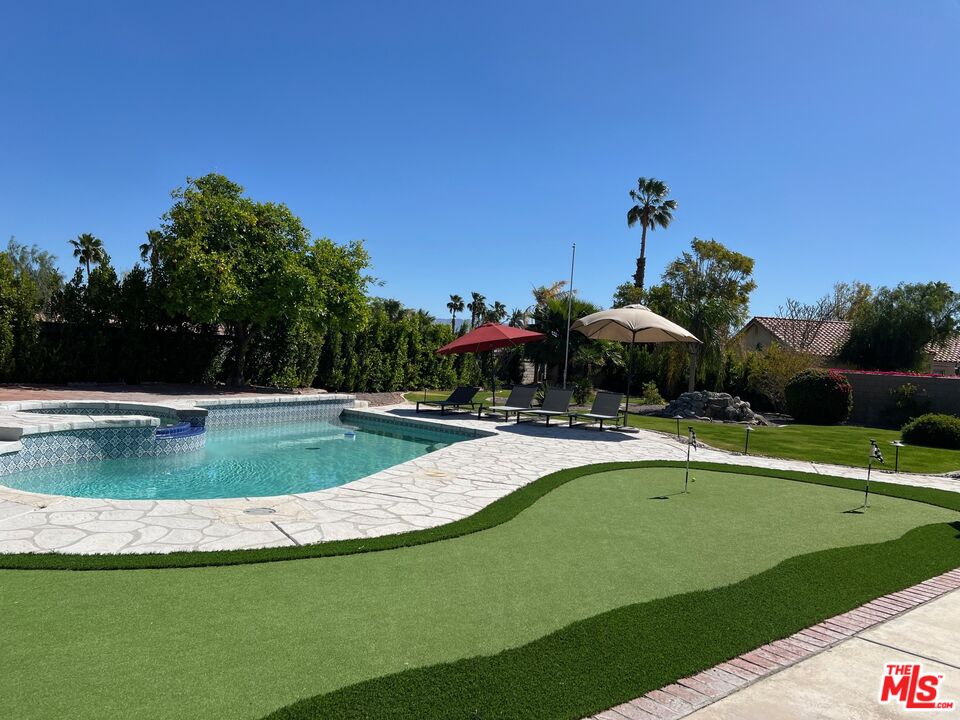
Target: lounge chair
[521,398]
[606,406]
[461,397]
[556,403]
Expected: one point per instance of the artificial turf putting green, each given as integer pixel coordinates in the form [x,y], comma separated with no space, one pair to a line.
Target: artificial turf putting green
[240,642]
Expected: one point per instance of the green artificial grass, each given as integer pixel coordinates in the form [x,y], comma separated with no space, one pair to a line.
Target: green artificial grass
[836,444]
[525,599]
[498,512]
[616,656]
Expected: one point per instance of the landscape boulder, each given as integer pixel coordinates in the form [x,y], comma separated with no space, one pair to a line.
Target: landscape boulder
[713,406]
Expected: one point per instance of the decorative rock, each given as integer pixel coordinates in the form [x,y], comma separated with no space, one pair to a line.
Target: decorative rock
[713,406]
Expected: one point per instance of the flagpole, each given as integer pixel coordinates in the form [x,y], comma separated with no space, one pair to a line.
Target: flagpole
[566,352]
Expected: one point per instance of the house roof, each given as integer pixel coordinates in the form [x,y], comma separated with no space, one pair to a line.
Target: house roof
[948,352]
[812,336]
[827,339]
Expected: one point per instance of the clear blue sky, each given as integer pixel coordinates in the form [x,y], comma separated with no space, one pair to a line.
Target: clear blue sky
[471,143]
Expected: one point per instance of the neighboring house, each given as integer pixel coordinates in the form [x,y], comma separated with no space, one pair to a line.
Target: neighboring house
[946,358]
[823,340]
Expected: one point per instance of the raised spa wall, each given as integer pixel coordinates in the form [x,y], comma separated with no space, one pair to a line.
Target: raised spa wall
[42,434]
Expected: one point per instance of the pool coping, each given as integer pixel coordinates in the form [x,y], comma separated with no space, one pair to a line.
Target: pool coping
[440,487]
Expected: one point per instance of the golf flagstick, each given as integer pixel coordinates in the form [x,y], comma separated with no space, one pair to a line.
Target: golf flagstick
[691,442]
[875,454]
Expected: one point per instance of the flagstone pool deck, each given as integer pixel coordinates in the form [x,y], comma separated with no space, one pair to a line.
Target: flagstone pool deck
[437,488]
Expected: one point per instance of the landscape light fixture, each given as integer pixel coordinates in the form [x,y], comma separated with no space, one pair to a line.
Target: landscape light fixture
[875,454]
[896,458]
[678,418]
[691,443]
[746,442]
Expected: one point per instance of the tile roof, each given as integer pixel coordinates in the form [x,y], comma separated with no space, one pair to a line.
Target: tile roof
[818,338]
[827,339]
[949,351]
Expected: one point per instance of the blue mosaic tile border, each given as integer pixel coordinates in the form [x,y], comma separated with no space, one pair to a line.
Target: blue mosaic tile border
[270,413]
[74,446]
[367,418]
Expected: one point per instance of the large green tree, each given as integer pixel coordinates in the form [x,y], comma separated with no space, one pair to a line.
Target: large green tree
[707,291]
[40,266]
[252,266]
[651,209]
[892,330]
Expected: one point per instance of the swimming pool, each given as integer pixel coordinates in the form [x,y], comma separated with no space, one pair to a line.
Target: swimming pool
[258,461]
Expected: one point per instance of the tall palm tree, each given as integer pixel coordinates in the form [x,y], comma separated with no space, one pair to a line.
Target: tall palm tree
[477,308]
[150,250]
[454,306]
[89,251]
[498,313]
[652,209]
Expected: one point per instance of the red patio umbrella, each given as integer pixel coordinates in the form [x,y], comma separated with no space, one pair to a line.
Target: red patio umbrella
[488,337]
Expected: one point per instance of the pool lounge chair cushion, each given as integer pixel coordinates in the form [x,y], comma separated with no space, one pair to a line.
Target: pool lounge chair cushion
[557,402]
[606,406]
[460,397]
[521,398]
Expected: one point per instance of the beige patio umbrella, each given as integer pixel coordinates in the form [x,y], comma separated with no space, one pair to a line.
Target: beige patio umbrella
[632,324]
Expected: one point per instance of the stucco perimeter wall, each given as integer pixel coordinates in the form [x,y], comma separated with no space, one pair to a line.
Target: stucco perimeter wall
[872,400]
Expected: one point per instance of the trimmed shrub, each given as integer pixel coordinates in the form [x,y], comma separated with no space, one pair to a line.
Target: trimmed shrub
[650,395]
[819,397]
[933,430]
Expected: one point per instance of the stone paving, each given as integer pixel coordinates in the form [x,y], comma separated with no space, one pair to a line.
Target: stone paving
[437,488]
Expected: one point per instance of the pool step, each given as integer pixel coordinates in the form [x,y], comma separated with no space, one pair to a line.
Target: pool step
[180,430]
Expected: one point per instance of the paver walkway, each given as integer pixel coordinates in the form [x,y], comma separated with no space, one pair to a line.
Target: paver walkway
[831,671]
[437,488]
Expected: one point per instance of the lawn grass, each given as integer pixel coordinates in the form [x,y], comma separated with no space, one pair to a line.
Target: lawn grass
[240,642]
[836,444]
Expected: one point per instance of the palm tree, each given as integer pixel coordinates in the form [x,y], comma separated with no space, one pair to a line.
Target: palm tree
[652,209]
[477,308]
[518,318]
[89,251]
[454,306]
[548,292]
[150,250]
[498,313]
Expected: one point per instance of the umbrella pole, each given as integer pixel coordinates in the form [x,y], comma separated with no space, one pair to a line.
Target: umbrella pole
[626,414]
[493,382]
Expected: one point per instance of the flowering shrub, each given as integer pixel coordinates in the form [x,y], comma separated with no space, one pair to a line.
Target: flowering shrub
[819,397]
[933,430]
[905,373]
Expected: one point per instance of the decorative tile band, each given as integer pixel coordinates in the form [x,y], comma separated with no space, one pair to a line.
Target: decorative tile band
[275,412]
[74,446]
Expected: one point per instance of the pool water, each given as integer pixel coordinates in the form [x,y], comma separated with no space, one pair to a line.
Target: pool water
[243,462]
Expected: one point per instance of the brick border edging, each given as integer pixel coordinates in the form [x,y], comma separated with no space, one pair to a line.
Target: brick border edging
[689,694]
